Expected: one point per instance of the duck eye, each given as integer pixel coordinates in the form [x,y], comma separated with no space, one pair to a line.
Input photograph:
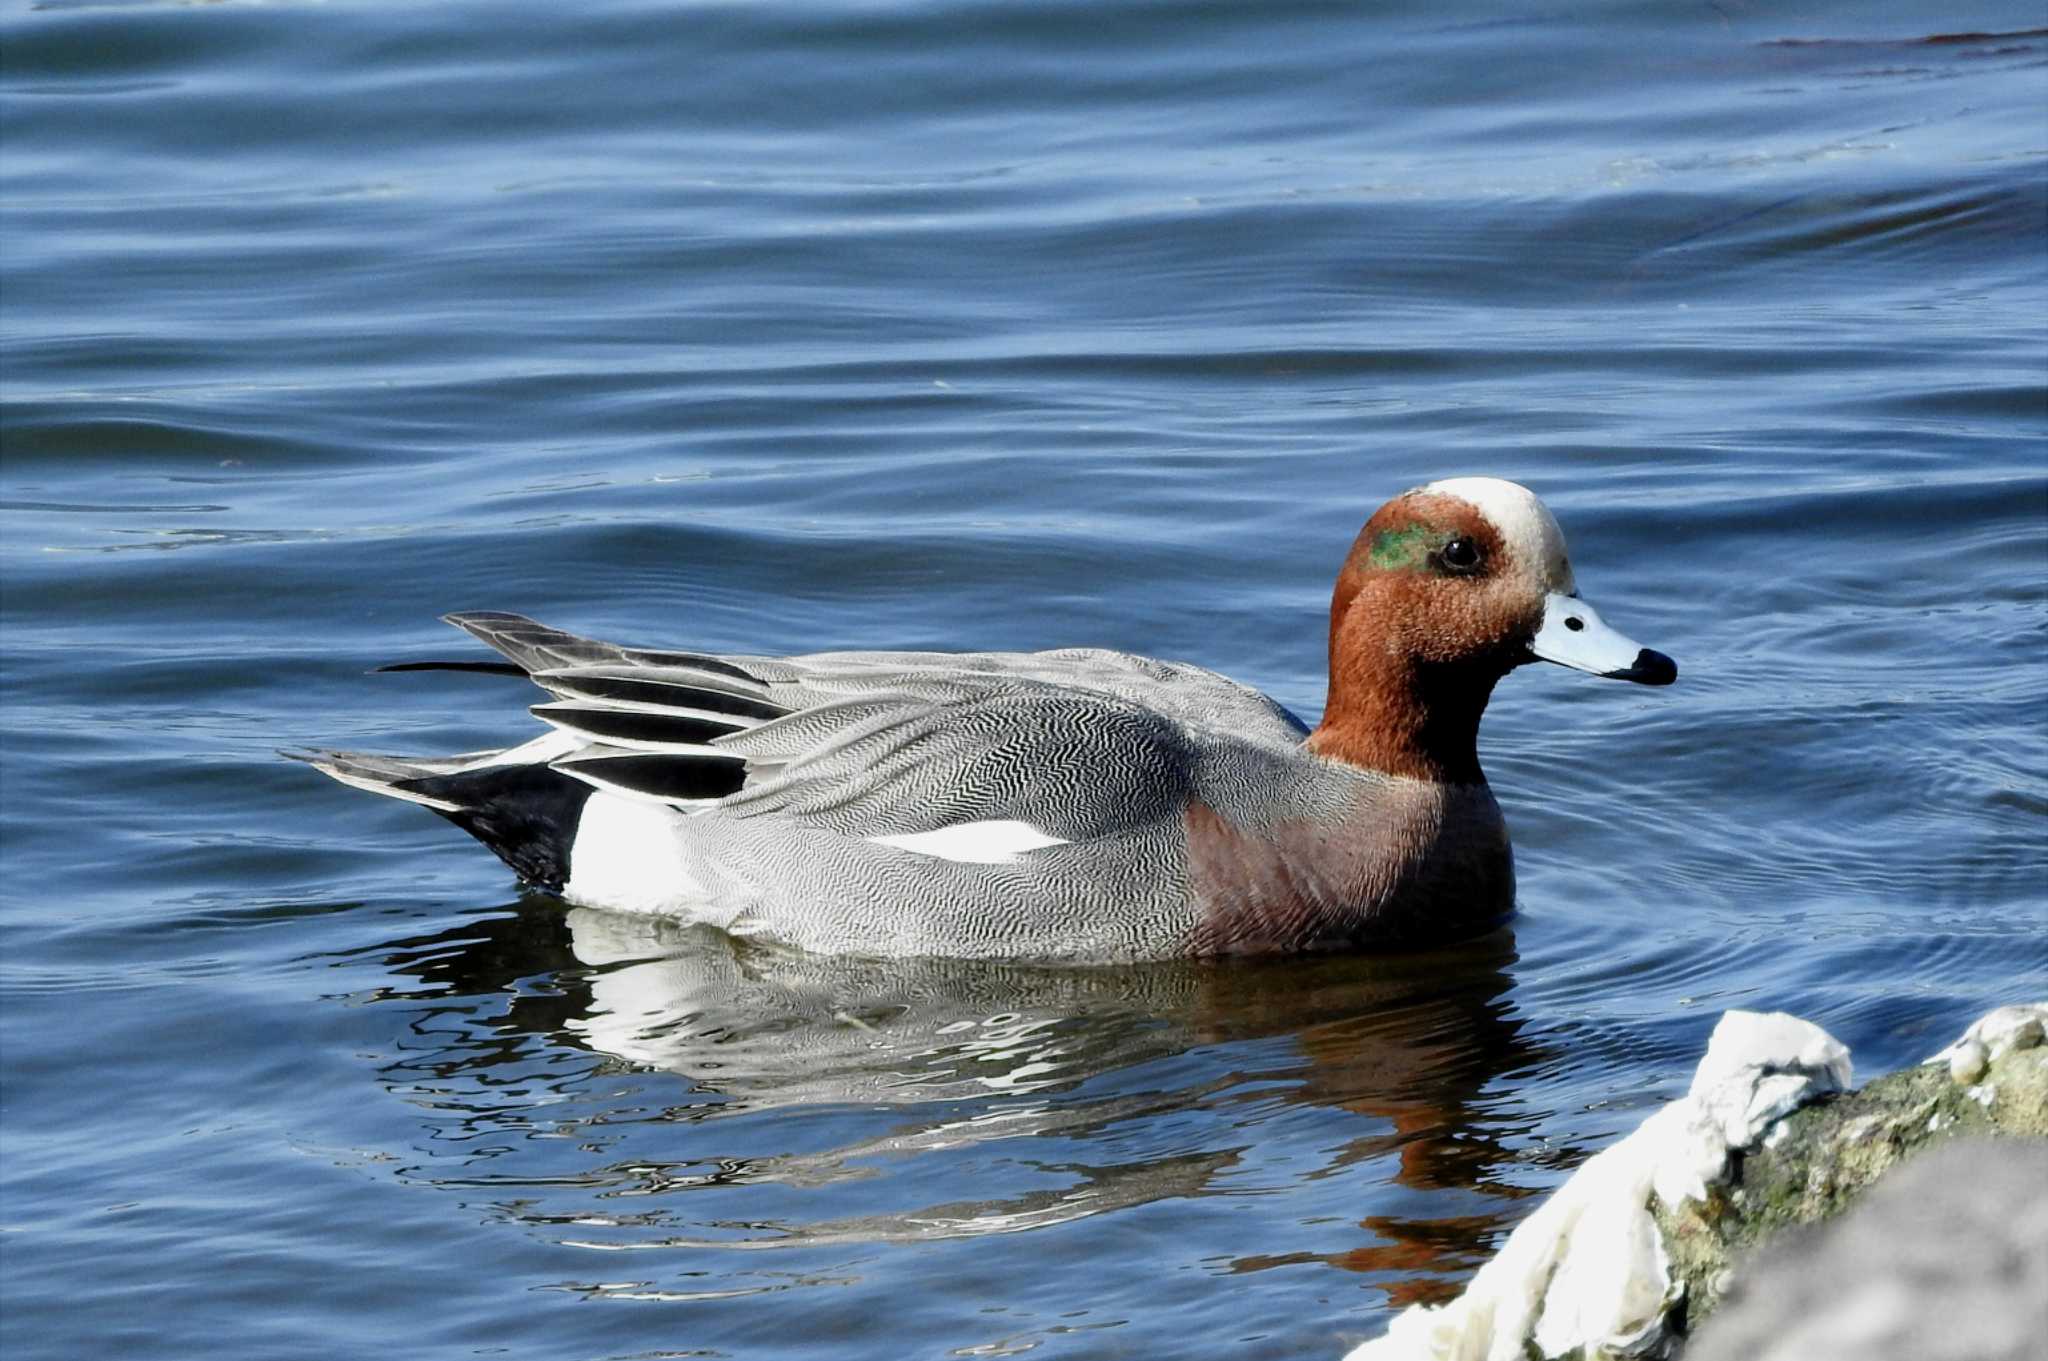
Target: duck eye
[1460,555]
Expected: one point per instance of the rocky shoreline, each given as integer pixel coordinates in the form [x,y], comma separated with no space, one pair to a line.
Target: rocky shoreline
[1642,1246]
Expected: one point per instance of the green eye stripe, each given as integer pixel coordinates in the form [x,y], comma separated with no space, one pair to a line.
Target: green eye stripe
[1407,547]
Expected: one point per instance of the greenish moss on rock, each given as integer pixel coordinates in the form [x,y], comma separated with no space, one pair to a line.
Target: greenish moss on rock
[1824,1155]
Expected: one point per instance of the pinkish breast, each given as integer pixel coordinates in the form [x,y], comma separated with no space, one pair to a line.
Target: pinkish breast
[1417,862]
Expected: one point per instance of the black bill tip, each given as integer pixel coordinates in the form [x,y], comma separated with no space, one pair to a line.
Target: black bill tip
[1649,668]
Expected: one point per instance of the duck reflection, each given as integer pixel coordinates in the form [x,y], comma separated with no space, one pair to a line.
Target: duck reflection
[934,1060]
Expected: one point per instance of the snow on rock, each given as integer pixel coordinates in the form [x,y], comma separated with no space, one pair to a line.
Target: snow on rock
[1760,1066]
[1993,1036]
[1588,1269]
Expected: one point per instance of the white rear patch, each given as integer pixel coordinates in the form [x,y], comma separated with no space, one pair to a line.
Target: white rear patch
[1525,524]
[627,856]
[996,842]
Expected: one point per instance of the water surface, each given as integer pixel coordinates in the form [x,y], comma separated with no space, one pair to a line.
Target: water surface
[793,326]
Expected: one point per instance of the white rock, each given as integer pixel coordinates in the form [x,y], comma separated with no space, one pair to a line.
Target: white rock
[1992,1036]
[1759,1066]
[1588,1268]
[1587,1274]
[1967,1060]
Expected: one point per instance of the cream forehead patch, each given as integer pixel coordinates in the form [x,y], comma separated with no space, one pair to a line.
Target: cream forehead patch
[1526,525]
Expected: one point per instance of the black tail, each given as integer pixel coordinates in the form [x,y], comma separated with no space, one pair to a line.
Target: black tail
[526,813]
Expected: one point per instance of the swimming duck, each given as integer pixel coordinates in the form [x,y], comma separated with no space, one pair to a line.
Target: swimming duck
[1078,805]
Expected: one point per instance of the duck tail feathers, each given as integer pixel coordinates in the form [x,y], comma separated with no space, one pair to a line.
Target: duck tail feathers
[529,645]
[525,812]
[392,776]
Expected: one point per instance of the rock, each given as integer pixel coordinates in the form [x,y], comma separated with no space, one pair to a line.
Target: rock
[1589,1273]
[1993,1036]
[1637,1249]
[1821,1158]
[1946,1259]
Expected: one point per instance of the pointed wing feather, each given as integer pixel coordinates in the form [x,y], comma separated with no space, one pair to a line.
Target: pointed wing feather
[1077,744]
[536,647]
[1191,694]
[640,728]
[665,777]
[667,689]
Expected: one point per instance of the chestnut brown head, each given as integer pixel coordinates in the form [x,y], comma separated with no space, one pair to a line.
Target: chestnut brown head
[1449,587]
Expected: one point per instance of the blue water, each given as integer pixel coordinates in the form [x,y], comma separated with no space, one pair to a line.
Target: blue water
[791,326]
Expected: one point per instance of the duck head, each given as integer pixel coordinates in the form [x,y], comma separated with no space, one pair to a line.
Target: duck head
[1448,588]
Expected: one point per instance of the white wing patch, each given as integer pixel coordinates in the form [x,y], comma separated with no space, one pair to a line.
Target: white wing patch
[996,842]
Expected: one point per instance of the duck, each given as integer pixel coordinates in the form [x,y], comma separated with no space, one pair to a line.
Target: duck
[1072,806]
